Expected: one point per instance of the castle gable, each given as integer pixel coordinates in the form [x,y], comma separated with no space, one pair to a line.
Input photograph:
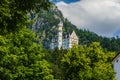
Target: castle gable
[73,35]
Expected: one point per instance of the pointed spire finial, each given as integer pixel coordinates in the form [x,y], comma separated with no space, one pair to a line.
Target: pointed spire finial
[60,24]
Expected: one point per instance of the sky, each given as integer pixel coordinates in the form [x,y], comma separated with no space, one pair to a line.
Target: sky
[99,16]
[68,1]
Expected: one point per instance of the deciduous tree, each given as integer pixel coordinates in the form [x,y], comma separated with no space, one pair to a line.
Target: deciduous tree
[87,63]
[21,58]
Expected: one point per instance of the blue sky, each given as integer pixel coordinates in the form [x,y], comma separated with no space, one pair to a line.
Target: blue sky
[68,1]
[99,16]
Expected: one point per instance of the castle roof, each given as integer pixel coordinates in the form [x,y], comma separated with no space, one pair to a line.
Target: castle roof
[116,57]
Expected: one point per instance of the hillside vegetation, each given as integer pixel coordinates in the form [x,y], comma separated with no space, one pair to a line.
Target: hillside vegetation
[46,27]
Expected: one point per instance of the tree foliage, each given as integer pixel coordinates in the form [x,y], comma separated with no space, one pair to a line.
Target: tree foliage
[87,63]
[13,13]
[55,58]
[22,58]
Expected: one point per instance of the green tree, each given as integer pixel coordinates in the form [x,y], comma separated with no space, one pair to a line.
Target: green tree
[22,58]
[87,63]
[13,13]
[100,62]
[76,65]
[54,57]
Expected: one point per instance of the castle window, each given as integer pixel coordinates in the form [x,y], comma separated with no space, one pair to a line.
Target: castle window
[117,60]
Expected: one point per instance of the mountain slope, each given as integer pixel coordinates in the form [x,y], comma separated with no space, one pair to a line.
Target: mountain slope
[46,27]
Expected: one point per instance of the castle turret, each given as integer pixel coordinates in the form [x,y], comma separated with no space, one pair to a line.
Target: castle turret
[60,25]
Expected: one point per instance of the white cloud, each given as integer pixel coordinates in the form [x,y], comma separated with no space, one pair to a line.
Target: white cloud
[100,16]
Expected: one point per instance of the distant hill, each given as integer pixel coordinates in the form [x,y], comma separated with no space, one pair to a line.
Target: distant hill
[46,23]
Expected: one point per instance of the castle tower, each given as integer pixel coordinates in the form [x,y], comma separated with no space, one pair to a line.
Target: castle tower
[60,25]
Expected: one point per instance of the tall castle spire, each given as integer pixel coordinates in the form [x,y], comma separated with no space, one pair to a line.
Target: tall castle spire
[60,25]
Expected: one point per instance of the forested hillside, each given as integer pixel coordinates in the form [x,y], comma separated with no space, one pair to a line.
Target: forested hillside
[46,26]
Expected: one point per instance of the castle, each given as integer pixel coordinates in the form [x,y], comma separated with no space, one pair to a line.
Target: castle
[63,41]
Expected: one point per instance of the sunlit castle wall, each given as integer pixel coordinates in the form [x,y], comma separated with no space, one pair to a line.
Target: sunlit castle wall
[116,66]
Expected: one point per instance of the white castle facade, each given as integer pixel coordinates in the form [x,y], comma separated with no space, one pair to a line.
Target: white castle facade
[116,66]
[64,42]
